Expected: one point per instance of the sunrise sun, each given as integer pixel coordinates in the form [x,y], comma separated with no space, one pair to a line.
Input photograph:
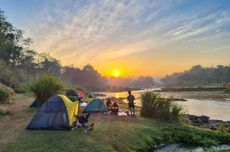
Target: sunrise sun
[116,73]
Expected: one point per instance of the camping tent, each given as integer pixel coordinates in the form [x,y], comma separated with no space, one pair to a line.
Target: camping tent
[95,106]
[58,112]
[36,104]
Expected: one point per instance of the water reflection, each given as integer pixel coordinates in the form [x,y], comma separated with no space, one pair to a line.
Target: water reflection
[117,95]
[198,103]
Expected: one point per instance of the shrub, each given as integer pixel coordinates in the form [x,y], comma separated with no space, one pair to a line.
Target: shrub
[21,88]
[6,94]
[70,92]
[154,106]
[45,86]
[227,91]
[193,136]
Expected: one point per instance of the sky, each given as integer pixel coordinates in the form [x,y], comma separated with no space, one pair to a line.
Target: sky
[130,37]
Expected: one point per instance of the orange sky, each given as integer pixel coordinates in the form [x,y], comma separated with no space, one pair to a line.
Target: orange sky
[161,62]
[134,37]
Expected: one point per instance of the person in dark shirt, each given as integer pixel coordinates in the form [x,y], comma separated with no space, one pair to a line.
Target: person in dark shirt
[109,104]
[115,108]
[131,99]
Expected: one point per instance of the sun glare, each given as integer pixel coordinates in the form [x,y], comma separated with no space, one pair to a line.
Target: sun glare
[116,73]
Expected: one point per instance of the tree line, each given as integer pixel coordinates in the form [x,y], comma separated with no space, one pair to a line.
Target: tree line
[140,82]
[20,64]
[198,76]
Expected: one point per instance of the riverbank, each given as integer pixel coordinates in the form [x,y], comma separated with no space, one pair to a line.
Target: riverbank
[111,133]
[206,122]
[194,89]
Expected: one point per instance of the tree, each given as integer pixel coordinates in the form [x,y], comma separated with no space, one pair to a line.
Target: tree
[199,75]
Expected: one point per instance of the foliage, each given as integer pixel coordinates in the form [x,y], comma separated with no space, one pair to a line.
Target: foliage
[45,86]
[140,82]
[4,112]
[86,77]
[6,94]
[21,88]
[18,63]
[198,75]
[154,106]
[70,92]
[227,91]
[193,136]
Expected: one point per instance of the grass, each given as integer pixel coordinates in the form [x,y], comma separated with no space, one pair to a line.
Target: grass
[4,112]
[154,106]
[111,133]
[227,91]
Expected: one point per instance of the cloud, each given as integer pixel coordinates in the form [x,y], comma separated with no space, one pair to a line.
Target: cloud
[80,32]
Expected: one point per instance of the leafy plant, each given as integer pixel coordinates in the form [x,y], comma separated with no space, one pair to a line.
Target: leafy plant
[6,94]
[70,92]
[45,86]
[193,136]
[227,91]
[154,106]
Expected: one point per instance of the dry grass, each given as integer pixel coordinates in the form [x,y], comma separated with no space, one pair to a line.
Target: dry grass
[14,124]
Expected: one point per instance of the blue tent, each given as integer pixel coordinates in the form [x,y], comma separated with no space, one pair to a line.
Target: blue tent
[58,112]
[95,106]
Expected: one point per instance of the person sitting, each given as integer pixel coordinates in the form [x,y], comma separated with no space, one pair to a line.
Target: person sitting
[82,120]
[79,94]
[109,104]
[115,108]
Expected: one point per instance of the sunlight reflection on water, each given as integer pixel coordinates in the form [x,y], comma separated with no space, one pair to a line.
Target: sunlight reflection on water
[214,108]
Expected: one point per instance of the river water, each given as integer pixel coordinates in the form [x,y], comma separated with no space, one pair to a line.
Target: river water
[214,104]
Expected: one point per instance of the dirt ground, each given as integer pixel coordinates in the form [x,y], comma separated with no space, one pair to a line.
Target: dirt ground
[13,125]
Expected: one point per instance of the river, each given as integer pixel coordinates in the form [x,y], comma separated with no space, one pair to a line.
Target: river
[214,104]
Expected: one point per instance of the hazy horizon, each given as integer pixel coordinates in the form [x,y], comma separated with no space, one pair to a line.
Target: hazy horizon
[128,38]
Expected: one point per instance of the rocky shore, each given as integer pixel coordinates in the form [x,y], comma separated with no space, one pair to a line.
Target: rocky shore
[205,121]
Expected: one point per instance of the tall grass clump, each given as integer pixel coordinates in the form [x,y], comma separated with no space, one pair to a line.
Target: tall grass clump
[45,86]
[154,106]
[6,94]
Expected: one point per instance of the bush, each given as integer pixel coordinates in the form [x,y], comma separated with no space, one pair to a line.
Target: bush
[227,91]
[70,92]
[21,88]
[6,94]
[154,106]
[193,136]
[45,86]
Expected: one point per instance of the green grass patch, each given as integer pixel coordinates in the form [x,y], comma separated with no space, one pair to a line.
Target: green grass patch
[127,135]
[4,112]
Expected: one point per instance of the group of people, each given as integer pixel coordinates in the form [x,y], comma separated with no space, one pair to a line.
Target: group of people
[113,108]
